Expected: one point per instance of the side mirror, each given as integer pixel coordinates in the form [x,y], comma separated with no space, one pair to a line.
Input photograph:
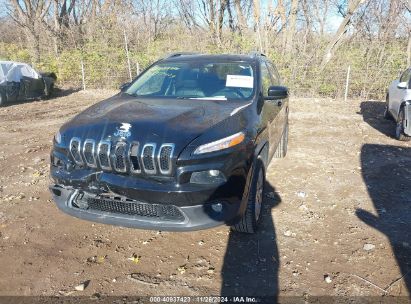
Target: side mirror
[402,85]
[277,92]
[124,86]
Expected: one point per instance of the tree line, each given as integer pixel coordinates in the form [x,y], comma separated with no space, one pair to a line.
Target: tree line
[311,41]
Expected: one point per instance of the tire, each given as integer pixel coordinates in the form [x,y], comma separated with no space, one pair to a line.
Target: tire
[399,129]
[3,99]
[387,114]
[252,216]
[283,144]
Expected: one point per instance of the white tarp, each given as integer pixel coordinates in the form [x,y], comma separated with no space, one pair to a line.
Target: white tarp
[13,71]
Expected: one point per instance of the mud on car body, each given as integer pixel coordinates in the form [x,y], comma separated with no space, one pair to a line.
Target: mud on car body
[185,146]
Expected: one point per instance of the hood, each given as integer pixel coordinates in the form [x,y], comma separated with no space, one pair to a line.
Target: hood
[123,117]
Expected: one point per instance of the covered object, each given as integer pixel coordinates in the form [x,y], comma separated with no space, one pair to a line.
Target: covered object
[19,81]
[14,71]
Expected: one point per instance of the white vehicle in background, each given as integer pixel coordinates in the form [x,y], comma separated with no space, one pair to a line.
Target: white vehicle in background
[398,105]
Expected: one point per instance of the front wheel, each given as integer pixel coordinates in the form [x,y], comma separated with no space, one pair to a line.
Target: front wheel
[399,130]
[252,216]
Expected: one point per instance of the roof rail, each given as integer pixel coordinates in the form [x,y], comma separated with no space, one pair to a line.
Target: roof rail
[179,54]
[257,54]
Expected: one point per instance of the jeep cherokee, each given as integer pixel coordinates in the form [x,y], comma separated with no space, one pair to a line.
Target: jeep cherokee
[184,146]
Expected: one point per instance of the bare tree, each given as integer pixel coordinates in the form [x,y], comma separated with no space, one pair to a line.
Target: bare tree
[291,29]
[30,15]
[242,22]
[342,29]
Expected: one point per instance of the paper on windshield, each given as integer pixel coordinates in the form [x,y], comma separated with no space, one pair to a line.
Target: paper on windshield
[239,81]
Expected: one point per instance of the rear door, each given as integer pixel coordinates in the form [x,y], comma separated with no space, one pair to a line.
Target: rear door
[282,104]
[270,109]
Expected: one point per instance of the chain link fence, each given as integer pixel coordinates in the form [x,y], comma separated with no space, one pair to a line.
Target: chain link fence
[303,81]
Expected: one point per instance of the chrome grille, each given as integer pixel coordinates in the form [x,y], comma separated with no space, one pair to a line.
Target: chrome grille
[120,157]
[123,157]
[88,153]
[147,158]
[103,152]
[164,158]
[134,161]
[75,145]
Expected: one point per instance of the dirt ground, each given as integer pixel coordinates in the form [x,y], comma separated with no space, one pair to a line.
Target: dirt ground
[337,217]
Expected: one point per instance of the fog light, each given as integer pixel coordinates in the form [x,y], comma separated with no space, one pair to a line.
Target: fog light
[208,177]
[217,207]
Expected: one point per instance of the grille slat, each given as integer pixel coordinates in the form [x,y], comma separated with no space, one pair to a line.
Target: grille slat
[88,153]
[103,152]
[147,158]
[134,208]
[120,157]
[75,145]
[164,158]
[134,162]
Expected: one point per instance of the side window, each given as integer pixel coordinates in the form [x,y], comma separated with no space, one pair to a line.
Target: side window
[265,78]
[274,73]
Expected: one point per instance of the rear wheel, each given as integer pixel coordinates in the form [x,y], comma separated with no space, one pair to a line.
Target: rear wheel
[252,216]
[399,130]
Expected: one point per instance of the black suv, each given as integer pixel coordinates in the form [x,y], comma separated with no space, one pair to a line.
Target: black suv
[185,146]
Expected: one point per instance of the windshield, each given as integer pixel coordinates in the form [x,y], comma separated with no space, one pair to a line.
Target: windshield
[196,80]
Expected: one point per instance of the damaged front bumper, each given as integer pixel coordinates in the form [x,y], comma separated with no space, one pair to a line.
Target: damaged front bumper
[188,218]
[133,202]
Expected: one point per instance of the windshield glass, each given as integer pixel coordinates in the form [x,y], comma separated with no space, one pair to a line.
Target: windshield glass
[196,80]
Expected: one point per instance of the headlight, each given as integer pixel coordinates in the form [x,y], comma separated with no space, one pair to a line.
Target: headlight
[208,177]
[57,137]
[221,144]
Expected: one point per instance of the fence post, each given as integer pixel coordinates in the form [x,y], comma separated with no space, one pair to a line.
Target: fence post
[347,82]
[128,57]
[83,75]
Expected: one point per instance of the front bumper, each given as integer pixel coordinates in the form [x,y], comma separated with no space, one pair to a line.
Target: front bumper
[195,202]
[194,217]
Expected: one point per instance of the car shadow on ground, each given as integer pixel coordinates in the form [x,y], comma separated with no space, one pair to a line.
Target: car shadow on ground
[59,92]
[373,113]
[251,261]
[386,171]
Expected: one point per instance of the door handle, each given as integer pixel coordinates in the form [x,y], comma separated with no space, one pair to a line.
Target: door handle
[279,103]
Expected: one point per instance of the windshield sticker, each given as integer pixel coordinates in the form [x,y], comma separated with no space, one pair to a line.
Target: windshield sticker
[123,131]
[239,81]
